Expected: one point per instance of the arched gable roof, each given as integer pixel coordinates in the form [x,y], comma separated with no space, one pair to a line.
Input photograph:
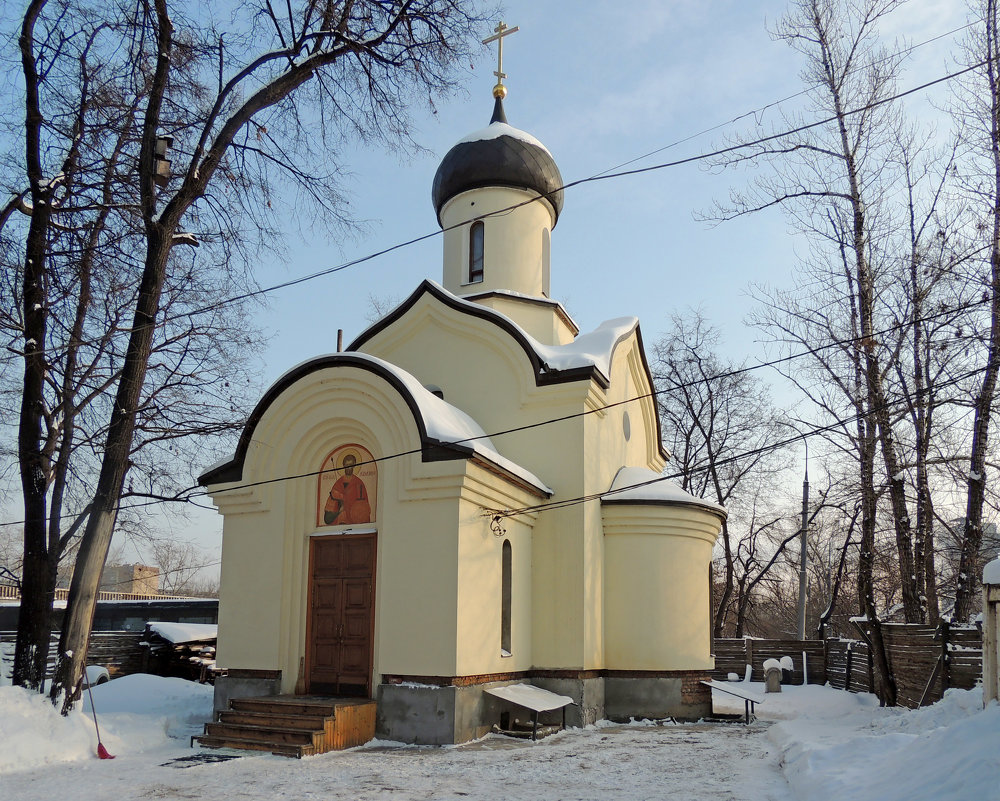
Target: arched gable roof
[445,431]
[587,358]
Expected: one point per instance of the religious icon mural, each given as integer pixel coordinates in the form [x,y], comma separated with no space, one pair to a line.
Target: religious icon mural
[347,487]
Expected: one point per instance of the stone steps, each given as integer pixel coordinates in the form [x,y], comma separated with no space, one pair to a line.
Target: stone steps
[295,751]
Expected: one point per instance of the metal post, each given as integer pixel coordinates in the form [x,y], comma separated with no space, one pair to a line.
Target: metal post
[802,555]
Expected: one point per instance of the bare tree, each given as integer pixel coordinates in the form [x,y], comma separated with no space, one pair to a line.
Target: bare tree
[180,564]
[83,110]
[265,100]
[11,554]
[835,181]
[978,109]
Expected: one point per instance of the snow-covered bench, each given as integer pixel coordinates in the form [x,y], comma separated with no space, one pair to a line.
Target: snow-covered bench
[534,699]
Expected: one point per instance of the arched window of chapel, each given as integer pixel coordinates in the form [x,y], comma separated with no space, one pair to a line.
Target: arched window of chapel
[505,598]
[477,241]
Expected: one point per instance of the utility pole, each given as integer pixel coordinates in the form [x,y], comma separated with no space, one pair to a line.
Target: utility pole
[802,554]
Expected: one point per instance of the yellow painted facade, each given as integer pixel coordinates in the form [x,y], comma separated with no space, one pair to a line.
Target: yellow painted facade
[595,586]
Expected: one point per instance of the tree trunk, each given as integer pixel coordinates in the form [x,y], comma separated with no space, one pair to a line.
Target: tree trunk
[727,590]
[876,402]
[115,462]
[96,538]
[965,592]
[866,561]
[38,578]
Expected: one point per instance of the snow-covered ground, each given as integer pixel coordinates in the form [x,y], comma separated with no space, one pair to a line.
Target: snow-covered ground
[809,743]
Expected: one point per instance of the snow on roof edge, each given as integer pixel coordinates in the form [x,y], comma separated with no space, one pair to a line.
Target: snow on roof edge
[642,485]
[556,358]
[445,424]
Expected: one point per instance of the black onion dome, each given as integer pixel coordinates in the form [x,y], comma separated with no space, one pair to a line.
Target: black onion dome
[507,159]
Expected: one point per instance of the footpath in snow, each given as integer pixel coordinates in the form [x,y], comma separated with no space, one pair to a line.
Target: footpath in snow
[809,744]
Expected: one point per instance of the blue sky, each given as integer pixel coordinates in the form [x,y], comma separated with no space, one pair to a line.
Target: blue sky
[600,83]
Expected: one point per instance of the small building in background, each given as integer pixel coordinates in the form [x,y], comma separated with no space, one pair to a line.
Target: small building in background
[132,579]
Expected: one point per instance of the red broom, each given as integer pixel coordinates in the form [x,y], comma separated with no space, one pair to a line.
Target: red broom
[102,752]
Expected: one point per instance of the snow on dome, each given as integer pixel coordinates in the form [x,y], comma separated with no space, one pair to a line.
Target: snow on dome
[498,155]
[642,485]
[497,129]
[991,573]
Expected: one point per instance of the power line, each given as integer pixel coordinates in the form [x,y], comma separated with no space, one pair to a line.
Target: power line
[757,112]
[195,492]
[597,409]
[838,423]
[572,184]
[602,176]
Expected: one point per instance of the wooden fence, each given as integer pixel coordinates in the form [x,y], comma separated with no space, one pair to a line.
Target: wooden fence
[927,660]
[118,651]
[924,660]
[732,656]
[849,666]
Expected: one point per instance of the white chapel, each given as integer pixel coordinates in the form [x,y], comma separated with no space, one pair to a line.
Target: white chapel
[476,498]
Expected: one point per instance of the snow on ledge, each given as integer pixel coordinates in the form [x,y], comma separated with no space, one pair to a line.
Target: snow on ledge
[991,573]
[178,633]
[642,485]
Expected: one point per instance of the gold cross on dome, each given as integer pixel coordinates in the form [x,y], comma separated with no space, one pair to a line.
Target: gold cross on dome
[501,30]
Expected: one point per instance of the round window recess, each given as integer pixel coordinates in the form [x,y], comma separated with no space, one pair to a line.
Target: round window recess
[626,426]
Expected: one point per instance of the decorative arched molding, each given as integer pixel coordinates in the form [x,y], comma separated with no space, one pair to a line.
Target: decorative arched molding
[541,373]
[430,447]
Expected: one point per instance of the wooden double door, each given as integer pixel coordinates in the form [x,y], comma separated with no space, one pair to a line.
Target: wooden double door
[341,626]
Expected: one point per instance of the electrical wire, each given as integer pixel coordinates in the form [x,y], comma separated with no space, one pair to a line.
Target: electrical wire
[603,176]
[572,184]
[185,496]
[799,437]
[758,112]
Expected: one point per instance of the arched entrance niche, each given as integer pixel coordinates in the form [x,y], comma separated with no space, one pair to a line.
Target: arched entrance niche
[341,625]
